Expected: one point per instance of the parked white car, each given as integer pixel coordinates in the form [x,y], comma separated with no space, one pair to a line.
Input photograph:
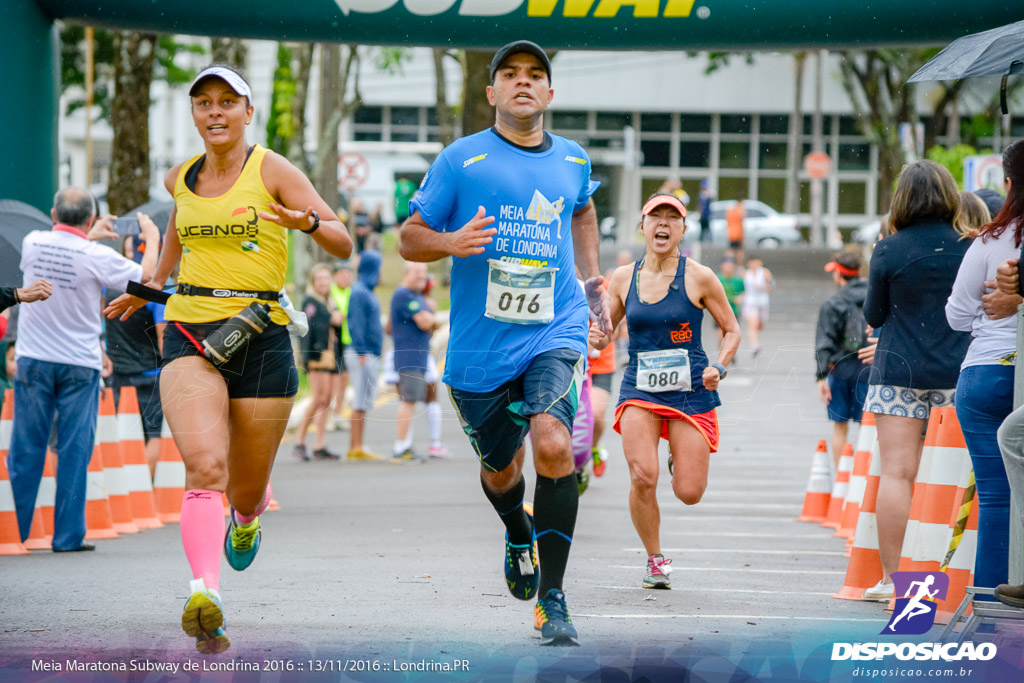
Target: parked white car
[868,233]
[763,227]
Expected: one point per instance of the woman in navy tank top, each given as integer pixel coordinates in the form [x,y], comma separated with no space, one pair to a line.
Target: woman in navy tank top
[669,387]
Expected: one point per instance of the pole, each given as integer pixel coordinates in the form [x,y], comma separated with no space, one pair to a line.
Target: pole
[89,47]
[817,239]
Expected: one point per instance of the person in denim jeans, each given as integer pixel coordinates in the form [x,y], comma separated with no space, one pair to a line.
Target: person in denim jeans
[984,392]
[917,361]
[1001,477]
[60,359]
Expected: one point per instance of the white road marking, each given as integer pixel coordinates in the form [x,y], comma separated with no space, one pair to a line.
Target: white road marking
[749,617]
[741,550]
[703,589]
[805,572]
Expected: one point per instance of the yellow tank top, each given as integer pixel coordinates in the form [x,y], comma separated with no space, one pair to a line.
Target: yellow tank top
[224,243]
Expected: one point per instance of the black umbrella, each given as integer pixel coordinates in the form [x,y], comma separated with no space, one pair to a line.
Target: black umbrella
[998,52]
[17,219]
[157,209]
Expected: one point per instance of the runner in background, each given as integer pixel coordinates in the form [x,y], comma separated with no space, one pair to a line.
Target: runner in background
[341,291]
[512,205]
[669,387]
[732,283]
[757,286]
[228,416]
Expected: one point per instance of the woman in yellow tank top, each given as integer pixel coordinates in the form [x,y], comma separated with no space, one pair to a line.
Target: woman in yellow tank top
[233,206]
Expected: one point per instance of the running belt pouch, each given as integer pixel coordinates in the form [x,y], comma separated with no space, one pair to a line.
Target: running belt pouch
[147,293]
[233,334]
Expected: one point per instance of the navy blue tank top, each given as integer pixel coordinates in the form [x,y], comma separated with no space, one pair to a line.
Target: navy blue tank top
[672,323]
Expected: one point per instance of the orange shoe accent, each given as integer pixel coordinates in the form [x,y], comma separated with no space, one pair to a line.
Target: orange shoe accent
[834,516]
[10,535]
[819,487]
[136,469]
[113,466]
[169,480]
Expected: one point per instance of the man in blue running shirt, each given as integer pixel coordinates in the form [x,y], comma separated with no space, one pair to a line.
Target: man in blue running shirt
[512,205]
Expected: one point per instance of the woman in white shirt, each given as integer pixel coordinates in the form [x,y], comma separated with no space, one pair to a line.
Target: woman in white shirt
[984,391]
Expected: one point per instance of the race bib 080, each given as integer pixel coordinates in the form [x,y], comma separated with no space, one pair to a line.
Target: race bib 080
[520,294]
[658,371]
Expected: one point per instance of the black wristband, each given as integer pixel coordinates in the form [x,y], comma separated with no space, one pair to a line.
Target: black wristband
[316,223]
[17,297]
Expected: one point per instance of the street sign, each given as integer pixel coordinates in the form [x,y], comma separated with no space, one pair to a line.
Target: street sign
[983,170]
[817,165]
[353,170]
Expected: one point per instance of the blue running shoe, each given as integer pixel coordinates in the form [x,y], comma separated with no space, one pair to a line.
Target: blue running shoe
[203,618]
[241,542]
[522,573]
[551,617]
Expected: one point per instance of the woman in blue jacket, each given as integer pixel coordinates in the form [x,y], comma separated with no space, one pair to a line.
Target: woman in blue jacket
[917,362]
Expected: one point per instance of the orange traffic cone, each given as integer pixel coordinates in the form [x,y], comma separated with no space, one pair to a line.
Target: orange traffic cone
[272,505]
[865,568]
[819,487]
[834,516]
[942,461]
[99,522]
[136,469]
[866,440]
[961,555]
[10,536]
[169,480]
[113,466]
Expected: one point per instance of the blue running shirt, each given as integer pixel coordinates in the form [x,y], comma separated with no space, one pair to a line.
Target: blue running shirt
[532,196]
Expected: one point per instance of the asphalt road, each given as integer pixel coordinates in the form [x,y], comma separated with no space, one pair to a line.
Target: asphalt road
[388,565]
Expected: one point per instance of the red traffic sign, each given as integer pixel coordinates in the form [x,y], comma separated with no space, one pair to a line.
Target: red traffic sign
[353,170]
[817,165]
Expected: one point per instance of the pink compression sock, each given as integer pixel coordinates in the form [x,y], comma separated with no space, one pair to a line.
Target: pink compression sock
[202,533]
[245,519]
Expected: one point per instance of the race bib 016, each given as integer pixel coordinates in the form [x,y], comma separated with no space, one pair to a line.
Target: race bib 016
[519,294]
[658,371]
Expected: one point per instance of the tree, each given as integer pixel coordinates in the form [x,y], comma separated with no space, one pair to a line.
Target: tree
[72,67]
[233,51]
[445,114]
[477,113]
[286,125]
[128,185]
[794,146]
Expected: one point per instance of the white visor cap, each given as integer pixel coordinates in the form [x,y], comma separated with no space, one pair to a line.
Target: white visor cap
[236,82]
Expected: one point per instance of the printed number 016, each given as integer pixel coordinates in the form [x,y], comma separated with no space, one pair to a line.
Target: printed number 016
[506,300]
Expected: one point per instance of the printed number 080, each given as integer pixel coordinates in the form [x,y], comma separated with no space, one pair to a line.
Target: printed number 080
[662,379]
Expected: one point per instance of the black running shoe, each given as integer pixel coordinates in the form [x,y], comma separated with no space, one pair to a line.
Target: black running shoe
[551,616]
[324,454]
[522,572]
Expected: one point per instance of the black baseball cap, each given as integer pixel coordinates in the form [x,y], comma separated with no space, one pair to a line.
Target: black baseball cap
[515,47]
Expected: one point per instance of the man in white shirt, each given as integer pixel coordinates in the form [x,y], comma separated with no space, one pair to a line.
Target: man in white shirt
[60,357]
